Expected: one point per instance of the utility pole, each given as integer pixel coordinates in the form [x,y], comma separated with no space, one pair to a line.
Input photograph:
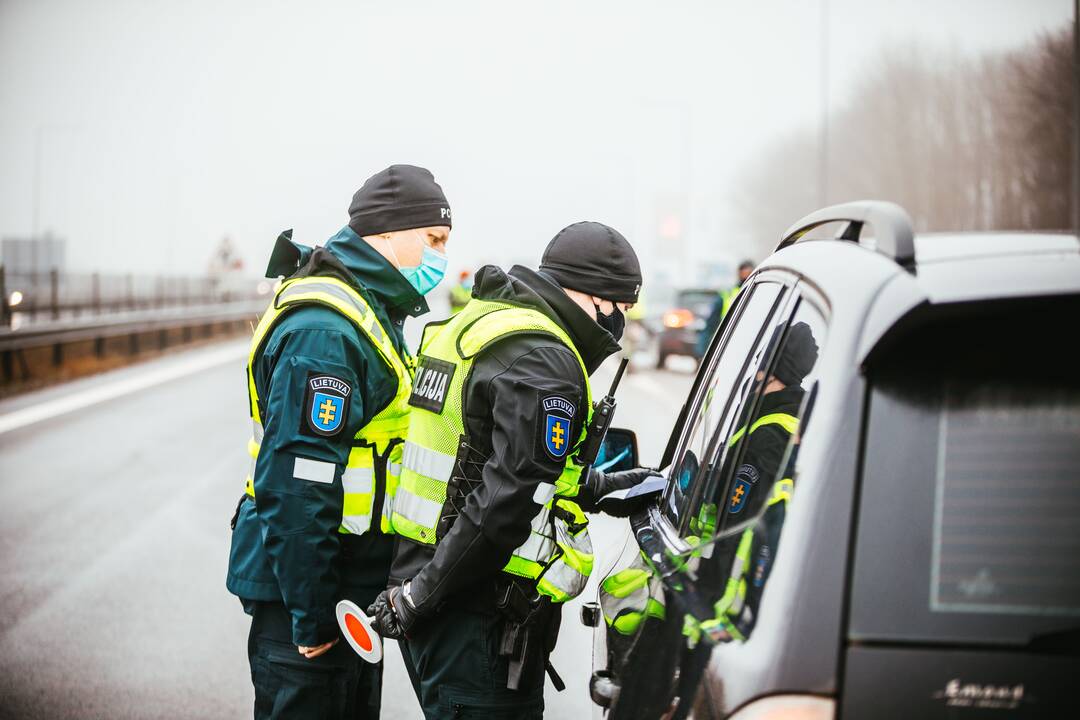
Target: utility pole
[36,189]
[1076,119]
[823,153]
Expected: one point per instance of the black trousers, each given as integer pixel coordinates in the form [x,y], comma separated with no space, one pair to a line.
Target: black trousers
[454,663]
[337,684]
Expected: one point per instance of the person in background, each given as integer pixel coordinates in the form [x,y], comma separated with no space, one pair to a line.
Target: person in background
[724,300]
[461,293]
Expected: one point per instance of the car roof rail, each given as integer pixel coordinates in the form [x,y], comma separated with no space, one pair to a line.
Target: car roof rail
[893,235]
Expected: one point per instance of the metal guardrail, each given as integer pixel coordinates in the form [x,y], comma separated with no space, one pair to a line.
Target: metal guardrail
[55,295]
[98,329]
[41,334]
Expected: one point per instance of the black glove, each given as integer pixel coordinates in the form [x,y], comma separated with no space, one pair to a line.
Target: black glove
[601,484]
[393,614]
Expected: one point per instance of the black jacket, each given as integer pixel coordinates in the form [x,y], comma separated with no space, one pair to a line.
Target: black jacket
[504,423]
[763,451]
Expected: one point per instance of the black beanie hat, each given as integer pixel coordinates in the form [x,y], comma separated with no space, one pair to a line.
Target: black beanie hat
[401,197]
[592,258]
[797,356]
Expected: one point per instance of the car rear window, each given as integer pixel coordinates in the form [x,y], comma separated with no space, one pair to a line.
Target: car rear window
[1007,500]
[968,524]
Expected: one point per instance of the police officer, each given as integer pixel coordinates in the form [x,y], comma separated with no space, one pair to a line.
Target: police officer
[328,382]
[761,487]
[724,300]
[764,480]
[492,536]
[461,293]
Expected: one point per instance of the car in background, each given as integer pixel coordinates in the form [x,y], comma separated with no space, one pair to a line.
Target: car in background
[684,323]
[906,545]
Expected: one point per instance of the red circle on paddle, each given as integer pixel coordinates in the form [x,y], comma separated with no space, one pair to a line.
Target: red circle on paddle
[358,632]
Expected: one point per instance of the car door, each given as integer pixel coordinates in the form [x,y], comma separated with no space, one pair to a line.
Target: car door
[638,635]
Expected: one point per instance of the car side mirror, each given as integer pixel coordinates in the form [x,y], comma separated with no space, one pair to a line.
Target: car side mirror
[619,451]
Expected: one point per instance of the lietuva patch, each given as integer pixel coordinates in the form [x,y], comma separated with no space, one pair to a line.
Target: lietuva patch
[327,404]
[432,382]
[745,478]
[556,433]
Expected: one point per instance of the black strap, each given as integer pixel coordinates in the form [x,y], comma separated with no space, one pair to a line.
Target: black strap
[236,514]
[555,679]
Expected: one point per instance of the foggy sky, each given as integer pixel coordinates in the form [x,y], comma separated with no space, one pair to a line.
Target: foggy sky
[154,128]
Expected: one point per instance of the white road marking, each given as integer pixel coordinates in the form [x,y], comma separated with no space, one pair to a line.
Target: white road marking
[92,396]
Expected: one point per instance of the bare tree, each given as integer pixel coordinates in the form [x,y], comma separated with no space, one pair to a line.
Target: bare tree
[962,144]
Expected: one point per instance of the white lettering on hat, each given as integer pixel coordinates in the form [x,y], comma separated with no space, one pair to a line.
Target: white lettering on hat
[445,212]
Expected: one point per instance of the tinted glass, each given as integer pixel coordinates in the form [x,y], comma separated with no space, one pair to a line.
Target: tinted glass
[1007,505]
[971,491]
[733,524]
[744,504]
[730,438]
[713,393]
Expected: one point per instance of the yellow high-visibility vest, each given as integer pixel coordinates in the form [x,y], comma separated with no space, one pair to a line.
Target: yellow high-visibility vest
[558,553]
[375,459]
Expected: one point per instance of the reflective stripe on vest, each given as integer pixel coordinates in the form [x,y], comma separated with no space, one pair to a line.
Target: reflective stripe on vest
[626,600]
[727,299]
[384,434]
[784,420]
[558,559]
[731,604]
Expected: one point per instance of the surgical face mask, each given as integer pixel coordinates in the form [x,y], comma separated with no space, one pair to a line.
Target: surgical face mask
[614,323]
[429,273]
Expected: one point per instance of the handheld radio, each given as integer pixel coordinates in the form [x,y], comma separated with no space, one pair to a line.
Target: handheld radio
[603,412]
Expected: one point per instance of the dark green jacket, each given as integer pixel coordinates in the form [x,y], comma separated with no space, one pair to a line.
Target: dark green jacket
[286,546]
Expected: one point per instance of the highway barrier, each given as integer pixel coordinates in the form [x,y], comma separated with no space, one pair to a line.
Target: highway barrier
[62,318]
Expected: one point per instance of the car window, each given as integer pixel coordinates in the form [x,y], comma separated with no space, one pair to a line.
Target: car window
[718,381]
[761,448]
[736,522]
[971,482]
[733,511]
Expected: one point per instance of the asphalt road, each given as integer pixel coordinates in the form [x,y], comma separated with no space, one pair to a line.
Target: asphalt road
[115,495]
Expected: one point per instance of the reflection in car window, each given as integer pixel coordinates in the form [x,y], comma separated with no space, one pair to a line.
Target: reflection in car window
[713,395]
[744,503]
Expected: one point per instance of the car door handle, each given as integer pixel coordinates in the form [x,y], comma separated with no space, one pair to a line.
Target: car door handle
[590,614]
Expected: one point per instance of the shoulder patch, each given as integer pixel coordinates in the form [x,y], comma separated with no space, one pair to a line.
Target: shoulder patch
[739,494]
[326,405]
[748,471]
[432,382]
[745,478]
[558,415]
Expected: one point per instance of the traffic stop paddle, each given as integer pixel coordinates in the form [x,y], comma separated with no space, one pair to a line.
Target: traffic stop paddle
[356,627]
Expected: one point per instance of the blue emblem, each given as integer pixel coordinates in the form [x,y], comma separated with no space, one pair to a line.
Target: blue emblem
[558,412]
[557,434]
[739,494]
[328,404]
[326,411]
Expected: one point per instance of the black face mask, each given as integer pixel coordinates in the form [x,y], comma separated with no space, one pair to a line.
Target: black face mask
[614,323]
